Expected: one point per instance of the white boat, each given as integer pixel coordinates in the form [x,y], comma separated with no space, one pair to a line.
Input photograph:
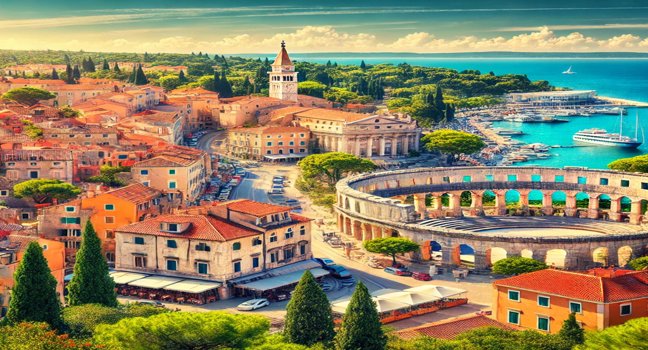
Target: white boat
[569,71]
[603,138]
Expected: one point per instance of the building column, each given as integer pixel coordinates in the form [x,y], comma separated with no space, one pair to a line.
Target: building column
[357,147]
[615,209]
[406,145]
[381,149]
[481,260]
[437,205]
[344,144]
[593,211]
[524,201]
[570,204]
[367,233]
[500,202]
[419,205]
[635,212]
[417,139]
[547,204]
[369,147]
[394,146]
[377,232]
[446,256]
[455,204]
[338,144]
[476,206]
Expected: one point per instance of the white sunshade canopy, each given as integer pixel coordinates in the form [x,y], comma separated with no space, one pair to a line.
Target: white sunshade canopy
[410,298]
[382,305]
[438,291]
[121,277]
[155,282]
[281,280]
[192,286]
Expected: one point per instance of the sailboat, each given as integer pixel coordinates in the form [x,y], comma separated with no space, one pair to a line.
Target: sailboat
[569,71]
[603,138]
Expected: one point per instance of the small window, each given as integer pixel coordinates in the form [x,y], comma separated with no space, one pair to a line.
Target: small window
[511,178]
[143,172]
[543,301]
[109,206]
[536,178]
[626,309]
[644,185]
[109,219]
[237,266]
[110,234]
[302,230]
[172,264]
[255,262]
[625,183]
[514,295]
[171,243]
[236,246]
[575,307]
[140,261]
[202,268]
[269,143]
[203,247]
[273,237]
[302,249]
[603,181]
[70,209]
[289,233]
[172,184]
[173,227]
[559,178]
[139,240]
[171,171]
[543,323]
[446,179]
[256,241]
[582,180]
[490,178]
[513,317]
[122,156]
[467,178]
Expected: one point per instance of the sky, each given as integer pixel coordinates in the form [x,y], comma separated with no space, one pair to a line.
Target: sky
[229,27]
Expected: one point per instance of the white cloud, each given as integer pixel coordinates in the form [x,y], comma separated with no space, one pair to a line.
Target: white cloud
[577,27]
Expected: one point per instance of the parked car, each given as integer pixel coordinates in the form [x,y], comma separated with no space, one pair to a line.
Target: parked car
[151,303]
[325,261]
[338,271]
[421,276]
[276,191]
[253,304]
[398,271]
[374,264]
[293,203]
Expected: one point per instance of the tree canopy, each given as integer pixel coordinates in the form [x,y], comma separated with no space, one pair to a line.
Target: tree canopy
[633,164]
[516,265]
[28,95]
[631,335]
[38,336]
[452,142]
[639,263]
[361,327]
[82,320]
[42,190]
[571,331]
[33,296]
[391,246]
[108,175]
[332,166]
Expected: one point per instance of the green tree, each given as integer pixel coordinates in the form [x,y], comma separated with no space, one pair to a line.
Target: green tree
[633,164]
[82,320]
[225,87]
[91,283]
[391,246]
[184,330]
[33,296]
[69,75]
[516,265]
[76,73]
[116,68]
[438,99]
[631,335]
[363,66]
[38,336]
[332,166]
[571,331]
[169,82]
[639,263]
[28,95]
[108,175]
[68,112]
[452,142]
[308,318]
[43,190]
[361,327]
[182,77]
[32,130]
[55,75]
[105,66]
[140,77]
[312,88]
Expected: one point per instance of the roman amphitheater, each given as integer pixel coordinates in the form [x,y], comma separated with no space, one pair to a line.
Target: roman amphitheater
[572,218]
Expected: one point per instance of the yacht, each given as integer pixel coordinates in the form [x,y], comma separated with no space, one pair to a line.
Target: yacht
[569,71]
[603,138]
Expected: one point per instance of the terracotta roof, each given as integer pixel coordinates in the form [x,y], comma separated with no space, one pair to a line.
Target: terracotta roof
[582,286]
[282,58]
[203,227]
[331,114]
[450,329]
[281,129]
[136,193]
[173,156]
[258,209]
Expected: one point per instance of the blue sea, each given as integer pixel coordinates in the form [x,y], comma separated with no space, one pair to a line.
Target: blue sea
[614,77]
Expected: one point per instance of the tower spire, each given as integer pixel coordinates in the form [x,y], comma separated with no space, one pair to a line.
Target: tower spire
[283,44]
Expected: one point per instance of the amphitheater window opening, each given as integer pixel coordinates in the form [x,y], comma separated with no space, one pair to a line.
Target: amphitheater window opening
[536,178]
[526,253]
[428,199]
[625,203]
[497,254]
[394,233]
[467,178]
[357,207]
[489,178]
[624,255]
[512,198]
[466,198]
[347,205]
[582,200]
[558,199]
[445,200]
[601,256]
[559,178]
[511,178]
[556,258]
[582,180]
[605,202]
[644,206]
[464,255]
[488,198]
[409,199]
[535,198]
[347,226]
[436,251]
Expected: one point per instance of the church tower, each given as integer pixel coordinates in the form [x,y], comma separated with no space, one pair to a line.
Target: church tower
[283,78]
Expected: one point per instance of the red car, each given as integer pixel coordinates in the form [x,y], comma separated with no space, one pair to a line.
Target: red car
[397,271]
[421,276]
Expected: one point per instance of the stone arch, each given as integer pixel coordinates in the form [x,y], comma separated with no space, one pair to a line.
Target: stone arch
[535,198]
[466,198]
[624,255]
[497,254]
[488,198]
[445,200]
[582,200]
[512,197]
[464,255]
[556,258]
[605,202]
[558,199]
[526,253]
[357,230]
[367,232]
[341,223]
[601,255]
[625,204]
[347,227]
[431,250]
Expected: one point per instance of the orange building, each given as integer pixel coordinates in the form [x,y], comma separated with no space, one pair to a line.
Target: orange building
[269,142]
[12,249]
[543,300]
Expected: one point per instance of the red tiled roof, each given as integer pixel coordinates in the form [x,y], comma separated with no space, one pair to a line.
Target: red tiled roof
[450,329]
[331,114]
[582,286]
[136,193]
[258,209]
[282,58]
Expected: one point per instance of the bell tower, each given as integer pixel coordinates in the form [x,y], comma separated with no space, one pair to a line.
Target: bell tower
[283,78]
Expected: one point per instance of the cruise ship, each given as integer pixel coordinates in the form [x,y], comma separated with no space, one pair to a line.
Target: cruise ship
[603,138]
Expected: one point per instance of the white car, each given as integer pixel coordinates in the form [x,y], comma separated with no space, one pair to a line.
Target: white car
[253,304]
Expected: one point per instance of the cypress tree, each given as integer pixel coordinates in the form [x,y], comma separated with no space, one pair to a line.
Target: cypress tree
[84,65]
[571,331]
[308,318]
[216,85]
[76,73]
[33,297]
[116,68]
[247,86]
[106,66]
[181,77]
[91,65]
[363,66]
[91,283]
[438,99]
[361,328]
[69,74]
[450,112]
[226,88]
[140,77]
[54,74]
[131,77]
[66,58]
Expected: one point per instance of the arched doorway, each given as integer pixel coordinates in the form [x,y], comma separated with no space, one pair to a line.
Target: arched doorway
[466,199]
[558,199]
[464,255]
[605,202]
[436,251]
[488,198]
[526,253]
[497,254]
[582,200]
[535,198]
[601,256]
[556,258]
[625,255]
[512,198]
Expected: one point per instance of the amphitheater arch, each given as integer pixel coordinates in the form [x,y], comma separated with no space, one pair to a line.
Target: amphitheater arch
[497,254]
[357,207]
[466,198]
[526,253]
[435,250]
[445,200]
[601,255]
[464,255]
[624,254]
[556,258]
[347,205]
[625,204]
[357,230]
[488,198]
[347,226]
[512,197]
[535,198]
[582,200]
[558,199]
[605,202]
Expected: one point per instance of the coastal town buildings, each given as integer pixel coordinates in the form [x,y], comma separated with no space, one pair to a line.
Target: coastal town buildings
[269,142]
[20,164]
[553,98]
[81,135]
[283,78]
[199,104]
[166,126]
[543,300]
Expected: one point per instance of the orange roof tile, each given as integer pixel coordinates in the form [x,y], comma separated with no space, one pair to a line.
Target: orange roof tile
[331,114]
[282,58]
[136,193]
[450,329]
[582,286]
[258,209]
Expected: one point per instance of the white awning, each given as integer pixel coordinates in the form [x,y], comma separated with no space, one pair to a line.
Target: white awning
[282,280]
[438,291]
[154,282]
[193,286]
[125,277]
